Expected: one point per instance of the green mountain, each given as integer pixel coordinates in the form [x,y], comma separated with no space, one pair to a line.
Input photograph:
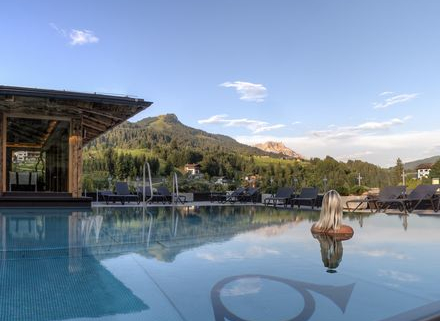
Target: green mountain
[168,145]
[413,165]
[167,130]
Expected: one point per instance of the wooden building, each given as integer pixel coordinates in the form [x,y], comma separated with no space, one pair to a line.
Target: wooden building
[53,126]
[193,169]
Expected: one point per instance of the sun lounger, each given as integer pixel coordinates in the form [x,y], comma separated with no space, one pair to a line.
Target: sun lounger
[122,194]
[148,197]
[386,193]
[163,191]
[104,195]
[235,196]
[308,195]
[216,197]
[414,199]
[282,196]
[250,195]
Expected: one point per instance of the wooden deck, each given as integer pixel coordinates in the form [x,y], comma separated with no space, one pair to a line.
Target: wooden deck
[43,199]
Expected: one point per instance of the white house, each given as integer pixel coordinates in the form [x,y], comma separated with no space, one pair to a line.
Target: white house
[193,169]
[423,170]
[20,156]
[23,156]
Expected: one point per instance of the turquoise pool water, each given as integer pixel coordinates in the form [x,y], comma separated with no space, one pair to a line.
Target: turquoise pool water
[215,263]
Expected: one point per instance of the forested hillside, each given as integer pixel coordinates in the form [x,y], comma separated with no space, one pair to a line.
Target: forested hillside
[159,133]
[168,145]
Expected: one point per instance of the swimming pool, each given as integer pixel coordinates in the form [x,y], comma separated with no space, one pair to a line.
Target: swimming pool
[215,263]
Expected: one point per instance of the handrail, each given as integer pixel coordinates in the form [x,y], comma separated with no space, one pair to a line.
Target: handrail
[144,211]
[175,221]
[146,166]
[175,188]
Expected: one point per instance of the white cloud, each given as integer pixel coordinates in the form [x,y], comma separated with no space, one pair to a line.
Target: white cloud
[256,126]
[383,253]
[386,93]
[399,276]
[396,99]
[296,123]
[60,31]
[77,37]
[358,155]
[82,37]
[383,147]
[268,128]
[248,91]
[365,128]
[243,287]
[253,252]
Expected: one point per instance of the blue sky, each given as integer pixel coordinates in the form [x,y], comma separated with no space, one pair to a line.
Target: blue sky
[350,79]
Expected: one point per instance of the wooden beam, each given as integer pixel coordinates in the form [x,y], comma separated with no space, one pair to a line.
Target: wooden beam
[26,133]
[100,113]
[50,129]
[29,113]
[94,125]
[107,122]
[24,145]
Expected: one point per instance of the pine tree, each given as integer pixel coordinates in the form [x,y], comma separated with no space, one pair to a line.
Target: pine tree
[435,170]
[398,171]
[168,169]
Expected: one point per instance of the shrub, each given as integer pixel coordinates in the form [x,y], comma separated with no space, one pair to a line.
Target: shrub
[358,190]
[343,190]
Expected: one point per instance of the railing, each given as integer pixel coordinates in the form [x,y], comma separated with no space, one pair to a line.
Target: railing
[175,195]
[146,167]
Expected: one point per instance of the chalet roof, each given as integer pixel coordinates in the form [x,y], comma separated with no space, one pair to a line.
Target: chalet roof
[98,112]
[424,166]
[192,165]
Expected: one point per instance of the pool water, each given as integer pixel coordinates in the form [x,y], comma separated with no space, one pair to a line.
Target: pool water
[245,263]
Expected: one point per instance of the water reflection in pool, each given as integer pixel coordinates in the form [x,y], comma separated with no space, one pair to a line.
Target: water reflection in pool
[167,264]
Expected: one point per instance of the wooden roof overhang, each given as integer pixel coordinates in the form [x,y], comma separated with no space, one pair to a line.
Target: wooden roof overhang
[98,112]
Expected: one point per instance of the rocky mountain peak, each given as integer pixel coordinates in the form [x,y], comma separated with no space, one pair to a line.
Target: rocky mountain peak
[279,148]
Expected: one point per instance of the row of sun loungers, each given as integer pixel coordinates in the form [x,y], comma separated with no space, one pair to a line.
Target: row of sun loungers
[386,193]
[241,194]
[286,195]
[122,194]
[396,197]
[391,197]
[162,195]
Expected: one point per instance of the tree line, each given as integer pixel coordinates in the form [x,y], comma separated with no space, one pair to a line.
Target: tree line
[268,173]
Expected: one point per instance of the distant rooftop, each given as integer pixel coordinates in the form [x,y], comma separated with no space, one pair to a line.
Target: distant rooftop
[425,166]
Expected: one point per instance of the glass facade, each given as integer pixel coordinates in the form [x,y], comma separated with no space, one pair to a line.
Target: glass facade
[37,154]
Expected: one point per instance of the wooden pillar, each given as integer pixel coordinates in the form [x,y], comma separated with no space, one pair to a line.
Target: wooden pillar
[2,155]
[75,158]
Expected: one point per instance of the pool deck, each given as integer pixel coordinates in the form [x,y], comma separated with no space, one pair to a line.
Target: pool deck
[208,203]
